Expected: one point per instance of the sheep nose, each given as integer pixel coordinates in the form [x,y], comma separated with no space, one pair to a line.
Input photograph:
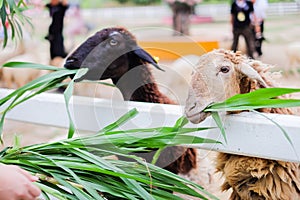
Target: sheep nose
[71,63]
[188,108]
[70,60]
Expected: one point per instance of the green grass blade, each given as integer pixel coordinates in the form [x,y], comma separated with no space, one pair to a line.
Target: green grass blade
[51,191]
[46,87]
[123,119]
[156,155]
[3,14]
[280,127]
[263,93]
[32,66]
[219,123]
[260,98]
[131,183]
[38,82]
[182,121]
[98,82]
[67,95]
[255,104]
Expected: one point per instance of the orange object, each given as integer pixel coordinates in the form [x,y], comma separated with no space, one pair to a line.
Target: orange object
[171,49]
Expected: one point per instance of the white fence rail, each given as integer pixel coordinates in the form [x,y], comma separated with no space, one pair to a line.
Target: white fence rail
[247,133]
[216,11]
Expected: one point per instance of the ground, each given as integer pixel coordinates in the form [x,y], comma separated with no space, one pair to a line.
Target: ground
[280,30]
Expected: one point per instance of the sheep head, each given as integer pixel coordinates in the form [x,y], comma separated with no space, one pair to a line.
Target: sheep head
[219,75]
[106,54]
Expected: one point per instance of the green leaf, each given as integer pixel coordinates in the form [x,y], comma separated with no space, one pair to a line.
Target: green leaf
[261,98]
[68,94]
[32,66]
[219,123]
[43,84]
[123,119]
[57,75]
[280,127]
[98,82]
[3,14]
[182,121]
[51,191]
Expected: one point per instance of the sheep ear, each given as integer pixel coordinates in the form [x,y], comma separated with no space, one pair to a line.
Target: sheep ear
[251,73]
[144,55]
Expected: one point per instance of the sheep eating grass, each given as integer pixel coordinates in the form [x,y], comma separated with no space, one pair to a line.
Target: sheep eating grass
[219,75]
[113,53]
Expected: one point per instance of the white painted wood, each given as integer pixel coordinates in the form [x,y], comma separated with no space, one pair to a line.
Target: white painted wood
[247,133]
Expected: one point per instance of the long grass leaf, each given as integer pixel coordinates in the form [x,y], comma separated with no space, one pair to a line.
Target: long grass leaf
[132,183]
[67,95]
[260,98]
[3,15]
[251,105]
[182,121]
[46,189]
[280,127]
[38,82]
[123,119]
[30,65]
[219,123]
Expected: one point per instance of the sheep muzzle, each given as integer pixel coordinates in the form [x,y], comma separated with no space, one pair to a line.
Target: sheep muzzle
[194,109]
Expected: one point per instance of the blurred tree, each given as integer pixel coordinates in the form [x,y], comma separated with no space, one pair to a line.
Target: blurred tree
[12,19]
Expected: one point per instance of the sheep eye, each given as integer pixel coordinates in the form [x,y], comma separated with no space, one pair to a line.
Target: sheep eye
[224,69]
[113,42]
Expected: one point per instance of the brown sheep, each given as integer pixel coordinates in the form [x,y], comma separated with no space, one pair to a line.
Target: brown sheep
[219,75]
[113,53]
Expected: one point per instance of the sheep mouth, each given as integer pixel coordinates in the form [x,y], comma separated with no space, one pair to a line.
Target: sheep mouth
[195,113]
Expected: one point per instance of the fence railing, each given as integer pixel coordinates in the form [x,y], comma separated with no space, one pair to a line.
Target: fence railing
[247,133]
[216,11]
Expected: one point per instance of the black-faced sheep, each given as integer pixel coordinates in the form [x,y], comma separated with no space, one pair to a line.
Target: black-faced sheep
[113,53]
[219,75]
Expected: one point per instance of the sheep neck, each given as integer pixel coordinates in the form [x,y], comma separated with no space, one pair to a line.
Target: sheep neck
[138,84]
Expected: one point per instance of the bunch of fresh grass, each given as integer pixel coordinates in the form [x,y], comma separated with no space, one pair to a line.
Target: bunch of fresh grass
[80,168]
[77,168]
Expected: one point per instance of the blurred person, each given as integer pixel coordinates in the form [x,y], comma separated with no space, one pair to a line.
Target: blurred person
[260,7]
[182,10]
[57,10]
[241,10]
[16,184]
